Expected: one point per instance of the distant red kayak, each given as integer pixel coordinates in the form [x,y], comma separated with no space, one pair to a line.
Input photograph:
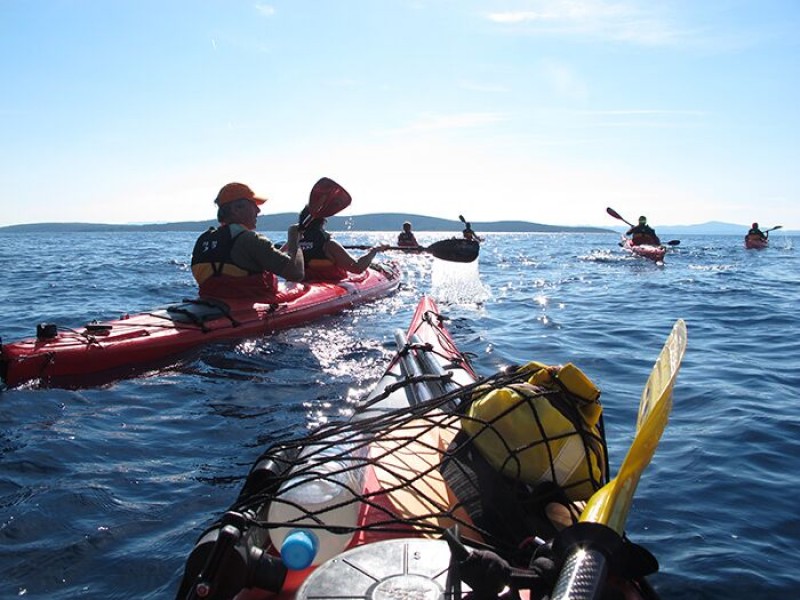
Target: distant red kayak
[104,351]
[755,241]
[654,253]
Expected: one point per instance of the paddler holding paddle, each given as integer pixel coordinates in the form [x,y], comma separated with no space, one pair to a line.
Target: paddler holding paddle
[406,238]
[643,234]
[756,232]
[327,259]
[467,232]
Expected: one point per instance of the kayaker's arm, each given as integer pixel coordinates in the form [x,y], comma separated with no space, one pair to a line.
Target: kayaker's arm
[254,252]
[337,253]
[295,268]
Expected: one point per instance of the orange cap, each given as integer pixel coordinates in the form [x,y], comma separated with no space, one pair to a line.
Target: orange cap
[237,191]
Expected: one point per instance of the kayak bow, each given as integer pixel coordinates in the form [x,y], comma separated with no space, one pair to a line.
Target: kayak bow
[650,252]
[755,242]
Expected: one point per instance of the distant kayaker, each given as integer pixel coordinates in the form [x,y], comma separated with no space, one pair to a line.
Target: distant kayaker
[755,232]
[643,234]
[326,258]
[406,237]
[234,261]
[469,234]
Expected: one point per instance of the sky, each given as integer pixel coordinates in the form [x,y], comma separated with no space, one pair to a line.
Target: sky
[138,111]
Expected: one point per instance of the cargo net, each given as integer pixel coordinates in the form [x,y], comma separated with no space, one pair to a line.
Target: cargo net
[418,472]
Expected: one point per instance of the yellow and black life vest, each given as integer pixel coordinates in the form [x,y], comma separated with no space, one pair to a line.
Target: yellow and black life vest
[216,273]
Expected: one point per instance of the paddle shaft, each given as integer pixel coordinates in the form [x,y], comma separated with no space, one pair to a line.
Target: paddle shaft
[616,215]
[403,248]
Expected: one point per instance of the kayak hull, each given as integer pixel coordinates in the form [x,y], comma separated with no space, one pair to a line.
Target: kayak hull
[754,242]
[119,348]
[650,252]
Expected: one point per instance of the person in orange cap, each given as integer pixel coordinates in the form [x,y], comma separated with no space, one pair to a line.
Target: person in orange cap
[232,260]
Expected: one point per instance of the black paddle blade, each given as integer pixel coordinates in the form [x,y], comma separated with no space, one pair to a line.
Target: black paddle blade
[455,250]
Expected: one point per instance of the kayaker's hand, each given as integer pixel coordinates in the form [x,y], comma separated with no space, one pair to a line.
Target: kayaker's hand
[382,247]
[293,233]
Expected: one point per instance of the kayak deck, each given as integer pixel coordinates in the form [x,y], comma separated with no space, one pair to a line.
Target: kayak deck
[102,351]
[397,424]
[422,483]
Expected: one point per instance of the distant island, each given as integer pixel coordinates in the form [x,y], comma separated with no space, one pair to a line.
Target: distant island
[281,222]
[384,222]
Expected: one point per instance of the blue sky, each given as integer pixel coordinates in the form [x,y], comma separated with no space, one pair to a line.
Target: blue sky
[128,111]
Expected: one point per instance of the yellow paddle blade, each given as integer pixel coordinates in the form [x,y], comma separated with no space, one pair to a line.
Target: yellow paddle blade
[609,505]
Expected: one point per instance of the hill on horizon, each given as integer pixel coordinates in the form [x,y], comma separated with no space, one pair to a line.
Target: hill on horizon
[385,222]
[282,221]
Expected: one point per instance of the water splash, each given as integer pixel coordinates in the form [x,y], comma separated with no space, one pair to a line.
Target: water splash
[458,283]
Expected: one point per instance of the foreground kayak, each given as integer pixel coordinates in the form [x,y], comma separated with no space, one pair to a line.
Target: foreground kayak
[650,252]
[103,351]
[755,242]
[401,502]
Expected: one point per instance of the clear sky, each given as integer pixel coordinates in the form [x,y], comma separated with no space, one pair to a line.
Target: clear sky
[131,111]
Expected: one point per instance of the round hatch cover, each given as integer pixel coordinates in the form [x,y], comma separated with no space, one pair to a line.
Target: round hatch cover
[402,569]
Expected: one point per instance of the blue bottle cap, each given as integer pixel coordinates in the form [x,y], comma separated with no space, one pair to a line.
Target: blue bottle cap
[299,549]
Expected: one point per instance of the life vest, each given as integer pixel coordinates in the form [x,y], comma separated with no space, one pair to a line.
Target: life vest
[644,234]
[218,276]
[544,429]
[406,238]
[313,244]
[318,265]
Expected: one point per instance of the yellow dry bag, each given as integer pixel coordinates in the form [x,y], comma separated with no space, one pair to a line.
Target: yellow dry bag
[546,428]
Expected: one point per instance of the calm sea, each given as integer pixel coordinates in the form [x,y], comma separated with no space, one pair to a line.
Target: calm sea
[104,490]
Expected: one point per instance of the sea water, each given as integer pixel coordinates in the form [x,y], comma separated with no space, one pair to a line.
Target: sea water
[104,490]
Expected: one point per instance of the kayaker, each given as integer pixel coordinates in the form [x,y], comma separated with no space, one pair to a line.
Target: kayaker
[232,260]
[643,234]
[757,233]
[469,234]
[326,258]
[406,238]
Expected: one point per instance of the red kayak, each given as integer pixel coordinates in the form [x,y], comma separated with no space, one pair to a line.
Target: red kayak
[755,241]
[102,351]
[650,252]
[395,502]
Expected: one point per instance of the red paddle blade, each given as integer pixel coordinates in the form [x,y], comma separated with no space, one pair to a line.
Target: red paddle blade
[327,198]
[614,214]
